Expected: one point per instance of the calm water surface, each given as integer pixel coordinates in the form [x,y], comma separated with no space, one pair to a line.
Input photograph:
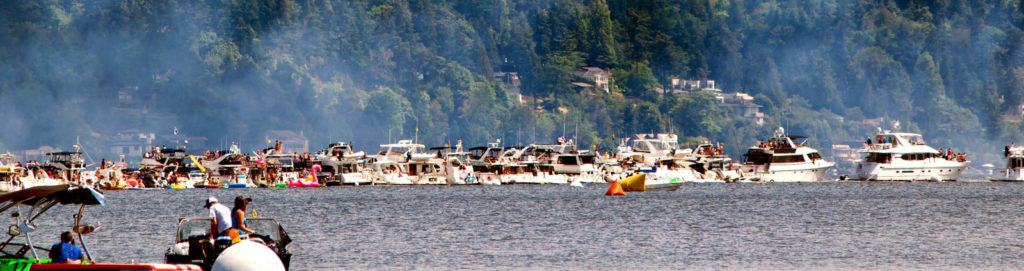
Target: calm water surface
[702,226]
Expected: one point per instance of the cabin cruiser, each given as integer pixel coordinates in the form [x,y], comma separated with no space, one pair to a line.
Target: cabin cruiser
[60,168]
[784,158]
[229,169]
[429,171]
[194,231]
[894,156]
[389,172]
[342,165]
[9,173]
[457,165]
[1014,171]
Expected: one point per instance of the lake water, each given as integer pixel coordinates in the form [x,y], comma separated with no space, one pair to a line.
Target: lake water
[701,226]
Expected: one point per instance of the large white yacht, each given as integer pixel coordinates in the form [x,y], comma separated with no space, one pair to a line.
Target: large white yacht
[894,156]
[647,149]
[1014,171]
[784,158]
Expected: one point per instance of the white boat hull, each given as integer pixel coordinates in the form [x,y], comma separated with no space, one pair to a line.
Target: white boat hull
[355,178]
[1010,175]
[794,173]
[928,171]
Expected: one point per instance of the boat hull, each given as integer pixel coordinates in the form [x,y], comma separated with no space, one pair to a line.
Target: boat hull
[803,173]
[924,172]
[1010,175]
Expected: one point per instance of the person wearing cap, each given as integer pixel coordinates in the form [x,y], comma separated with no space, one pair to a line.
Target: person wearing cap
[220,218]
[238,214]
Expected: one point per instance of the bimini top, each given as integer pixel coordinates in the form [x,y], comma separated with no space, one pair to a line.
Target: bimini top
[63,194]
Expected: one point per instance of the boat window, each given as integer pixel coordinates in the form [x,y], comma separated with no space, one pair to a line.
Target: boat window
[568,160]
[268,227]
[758,158]
[788,159]
[641,146]
[879,157]
[882,139]
[814,156]
[917,156]
[1016,163]
[587,159]
[914,139]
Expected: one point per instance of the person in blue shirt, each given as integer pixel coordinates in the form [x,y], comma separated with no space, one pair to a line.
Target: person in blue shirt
[66,251]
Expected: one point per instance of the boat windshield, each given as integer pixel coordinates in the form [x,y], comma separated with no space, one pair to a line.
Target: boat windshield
[653,145]
[201,227]
[914,139]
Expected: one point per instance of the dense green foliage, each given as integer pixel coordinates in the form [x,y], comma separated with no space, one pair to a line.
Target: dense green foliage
[372,70]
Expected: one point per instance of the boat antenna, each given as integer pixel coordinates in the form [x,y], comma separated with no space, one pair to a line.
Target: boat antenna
[576,131]
[563,125]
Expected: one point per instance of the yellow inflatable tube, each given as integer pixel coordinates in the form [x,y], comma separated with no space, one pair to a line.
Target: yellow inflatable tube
[635,183]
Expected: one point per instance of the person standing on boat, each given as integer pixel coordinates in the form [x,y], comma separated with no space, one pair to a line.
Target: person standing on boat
[66,251]
[220,218]
[238,215]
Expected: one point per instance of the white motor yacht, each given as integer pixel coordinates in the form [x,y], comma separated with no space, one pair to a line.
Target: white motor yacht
[894,156]
[1014,171]
[784,158]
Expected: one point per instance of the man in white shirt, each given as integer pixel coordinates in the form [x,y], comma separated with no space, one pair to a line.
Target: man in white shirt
[220,217]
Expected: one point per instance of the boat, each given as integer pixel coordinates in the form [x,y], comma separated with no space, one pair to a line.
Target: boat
[577,166]
[513,165]
[669,174]
[9,173]
[229,169]
[784,158]
[896,156]
[427,171]
[193,231]
[281,171]
[456,165]
[342,165]
[40,199]
[1014,171]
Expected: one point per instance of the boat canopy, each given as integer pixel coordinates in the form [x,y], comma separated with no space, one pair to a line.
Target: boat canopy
[63,194]
[64,153]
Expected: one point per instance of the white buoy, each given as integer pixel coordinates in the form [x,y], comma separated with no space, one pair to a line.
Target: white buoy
[248,255]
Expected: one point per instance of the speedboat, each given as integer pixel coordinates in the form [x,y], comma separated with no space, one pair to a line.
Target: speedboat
[894,156]
[784,158]
[1014,171]
[40,199]
[193,234]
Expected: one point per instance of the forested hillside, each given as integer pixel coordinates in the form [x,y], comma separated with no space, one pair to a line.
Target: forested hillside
[367,71]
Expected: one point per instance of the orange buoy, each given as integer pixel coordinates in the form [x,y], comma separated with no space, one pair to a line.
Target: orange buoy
[615,190]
